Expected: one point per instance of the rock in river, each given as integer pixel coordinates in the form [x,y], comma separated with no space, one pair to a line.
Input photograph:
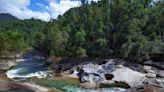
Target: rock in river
[128,76]
[151,75]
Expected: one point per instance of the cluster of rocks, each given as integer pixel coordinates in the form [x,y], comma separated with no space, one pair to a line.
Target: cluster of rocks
[119,73]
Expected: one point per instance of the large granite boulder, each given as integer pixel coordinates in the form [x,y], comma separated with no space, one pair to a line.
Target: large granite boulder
[161,73]
[151,75]
[128,76]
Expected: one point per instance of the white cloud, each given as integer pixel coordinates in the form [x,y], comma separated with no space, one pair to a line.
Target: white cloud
[62,7]
[19,8]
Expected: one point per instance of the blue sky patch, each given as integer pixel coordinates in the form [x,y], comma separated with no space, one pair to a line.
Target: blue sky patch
[38,5]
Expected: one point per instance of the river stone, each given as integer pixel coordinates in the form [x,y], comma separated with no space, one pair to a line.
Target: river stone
[161,73]
[89,85]
[108,76]
[147,67]
[151,71]
[150,75]
[128,76]
[107,83]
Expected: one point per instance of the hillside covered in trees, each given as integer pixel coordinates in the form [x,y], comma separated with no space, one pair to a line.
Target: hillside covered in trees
[17,35]
[130,29]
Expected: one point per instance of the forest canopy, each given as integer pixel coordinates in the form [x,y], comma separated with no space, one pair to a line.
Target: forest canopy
[130,29]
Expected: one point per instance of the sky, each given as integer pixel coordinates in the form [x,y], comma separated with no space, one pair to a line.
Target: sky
[38,9]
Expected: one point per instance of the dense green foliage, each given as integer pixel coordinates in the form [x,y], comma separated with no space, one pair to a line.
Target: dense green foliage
[16,35]
[132,29]
[11,42]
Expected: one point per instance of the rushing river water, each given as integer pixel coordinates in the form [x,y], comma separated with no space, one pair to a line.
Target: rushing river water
[28,68]
[34,67]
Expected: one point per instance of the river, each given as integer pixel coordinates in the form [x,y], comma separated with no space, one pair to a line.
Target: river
[35,67]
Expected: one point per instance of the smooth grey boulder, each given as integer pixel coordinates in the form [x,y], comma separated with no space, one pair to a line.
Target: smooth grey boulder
[151,71]
[89,85]
[151,75]
[128,76]
[161,73]
[146,67]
